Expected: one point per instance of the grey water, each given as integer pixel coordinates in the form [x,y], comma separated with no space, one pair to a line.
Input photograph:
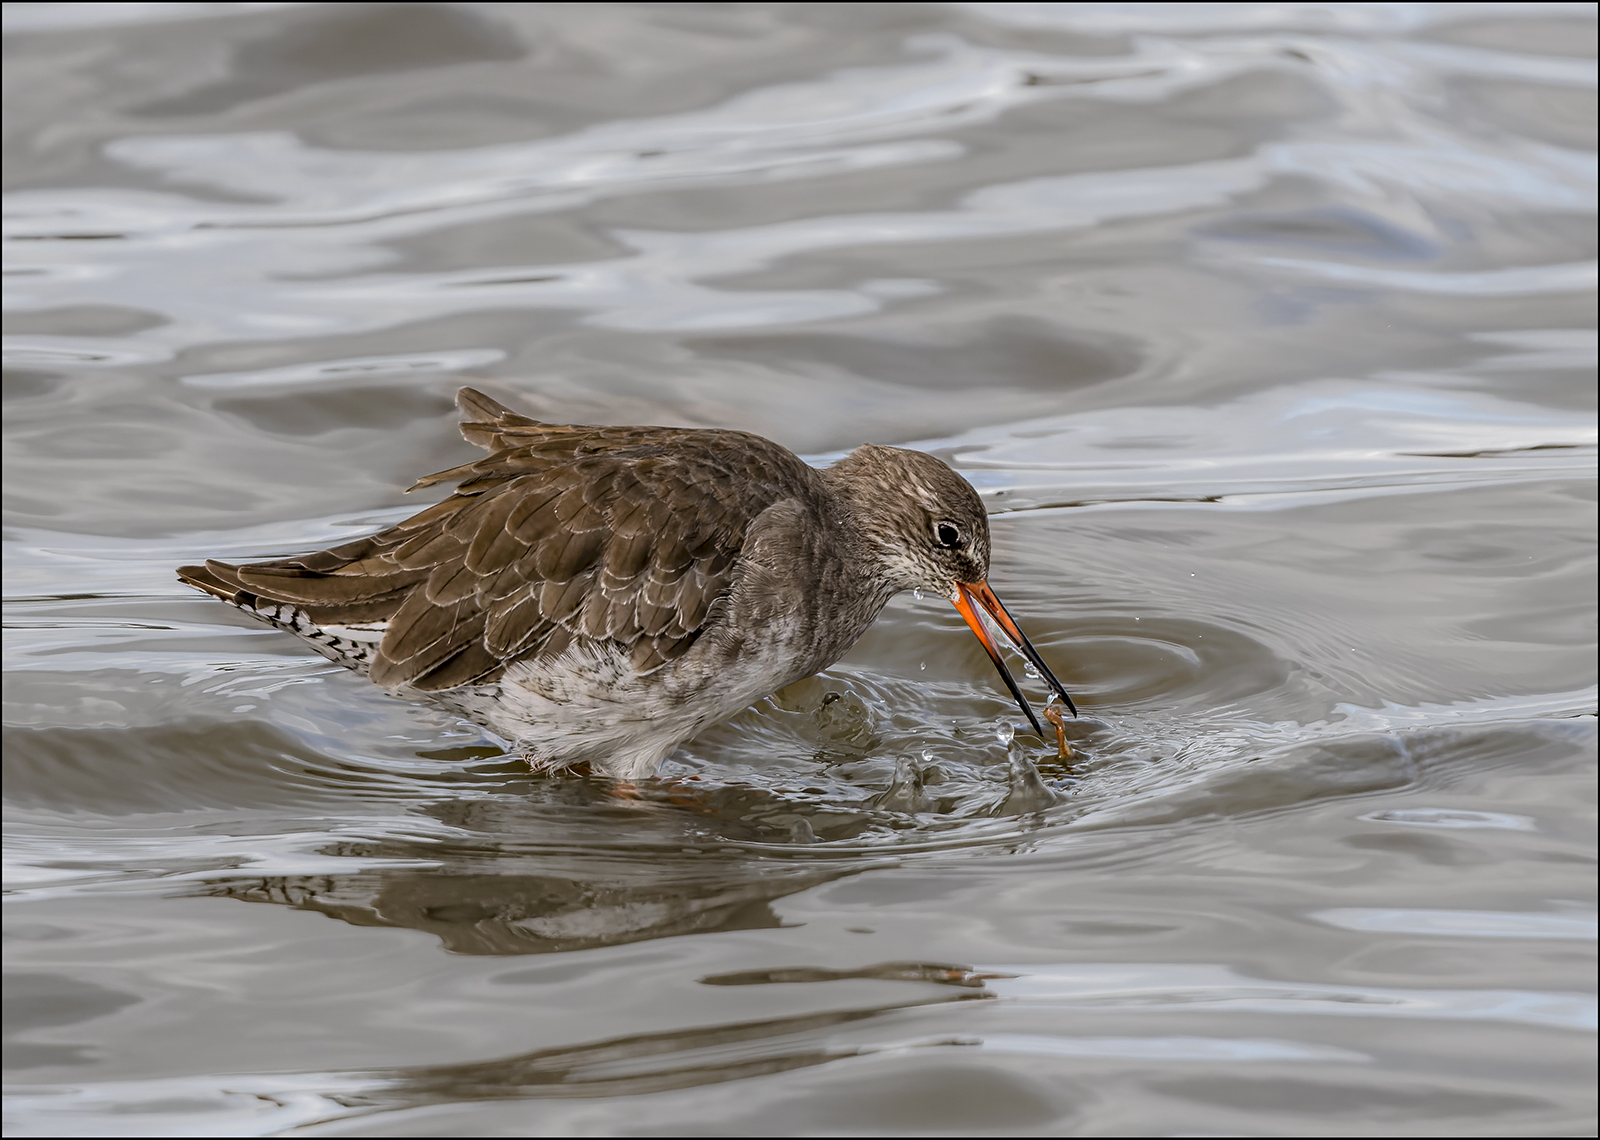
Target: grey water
[1266,331]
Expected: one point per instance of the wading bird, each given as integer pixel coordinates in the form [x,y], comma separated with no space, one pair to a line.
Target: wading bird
[599,595]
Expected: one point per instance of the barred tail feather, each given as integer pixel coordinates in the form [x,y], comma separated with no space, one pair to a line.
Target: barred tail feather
[353,647]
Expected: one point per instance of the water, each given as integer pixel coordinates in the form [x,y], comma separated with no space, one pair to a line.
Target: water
[1267,331]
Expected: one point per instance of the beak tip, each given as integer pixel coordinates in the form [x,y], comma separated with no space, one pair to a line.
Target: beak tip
[984,596]
[963,595]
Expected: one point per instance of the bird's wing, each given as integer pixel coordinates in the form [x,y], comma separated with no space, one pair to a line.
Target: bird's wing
[622,535]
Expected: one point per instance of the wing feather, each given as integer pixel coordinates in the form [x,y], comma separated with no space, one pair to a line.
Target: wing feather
[607,534]
[560,557]
[450,582]
[427,549]
[473,662]
[493,547]
[513,625]
[558,601]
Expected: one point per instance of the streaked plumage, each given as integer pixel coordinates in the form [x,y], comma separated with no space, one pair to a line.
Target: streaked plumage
[600,594]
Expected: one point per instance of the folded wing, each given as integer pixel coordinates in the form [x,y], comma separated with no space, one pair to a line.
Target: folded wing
[623,535]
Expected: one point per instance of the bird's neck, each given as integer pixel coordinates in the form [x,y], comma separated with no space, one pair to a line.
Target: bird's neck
[865,522]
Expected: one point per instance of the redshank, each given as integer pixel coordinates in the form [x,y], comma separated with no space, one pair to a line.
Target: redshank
[599,595]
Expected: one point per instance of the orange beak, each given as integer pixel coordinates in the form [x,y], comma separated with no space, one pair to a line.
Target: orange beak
[967,598]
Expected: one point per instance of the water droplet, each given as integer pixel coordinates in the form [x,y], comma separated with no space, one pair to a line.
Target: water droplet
[905,792]
[917,594]
[1031,671]
[927,756]
[922,664]
[1029,793]
[1005,733]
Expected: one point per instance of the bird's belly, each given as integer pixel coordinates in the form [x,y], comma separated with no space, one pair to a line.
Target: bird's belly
[588,705]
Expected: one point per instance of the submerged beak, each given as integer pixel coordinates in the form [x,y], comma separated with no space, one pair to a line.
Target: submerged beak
[966,599]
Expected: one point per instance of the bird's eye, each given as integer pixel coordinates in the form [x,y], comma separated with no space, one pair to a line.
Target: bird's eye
[948,535]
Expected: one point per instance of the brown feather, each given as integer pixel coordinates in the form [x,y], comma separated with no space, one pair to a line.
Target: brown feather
[461,635]
[622,618]
[632,515]
[560,638]
[451,582]
[223,573]
[572,504]
[274,571]
[467,523]
[420,638]
[325,589]
[481,406]
[650,617]
[592,619]
[428,549]
[380,565]
[558,601]
[662,590]
[562,557]
[513,625]
[211,581]
[532,516]
[380,608]
[620,534]
[417,626]
[472,664]
[513,579]
[326,560]
[645,656]
[492,549]
[445,476]
[627,556]
[693,599]
[482,481]
[426,517]
[503,549]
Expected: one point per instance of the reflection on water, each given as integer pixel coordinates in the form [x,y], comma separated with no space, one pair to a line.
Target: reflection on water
[505,913]
[1265,331]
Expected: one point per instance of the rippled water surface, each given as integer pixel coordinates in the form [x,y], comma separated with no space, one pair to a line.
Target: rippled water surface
[1267,333]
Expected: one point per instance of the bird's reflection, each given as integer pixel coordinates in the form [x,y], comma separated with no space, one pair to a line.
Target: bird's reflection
[491,892]
[507,911]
